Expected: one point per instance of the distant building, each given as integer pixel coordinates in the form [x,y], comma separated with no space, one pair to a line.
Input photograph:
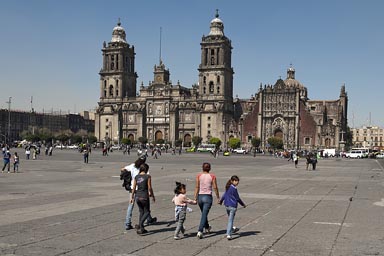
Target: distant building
[32,121]
[368,137]
[163,111]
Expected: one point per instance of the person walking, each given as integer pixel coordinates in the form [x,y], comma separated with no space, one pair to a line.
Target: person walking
[85,156]
[205,183]
[6,161]
[27,152]
[231,198]
[144,191]
[295,159]
[181,202]
[16,162]
[134,169]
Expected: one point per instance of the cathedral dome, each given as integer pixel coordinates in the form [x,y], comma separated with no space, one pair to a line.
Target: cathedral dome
[291,81]
[217,26]
[118,34]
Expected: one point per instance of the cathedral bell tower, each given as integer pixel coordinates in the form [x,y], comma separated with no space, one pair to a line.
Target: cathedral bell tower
[216,83]
[118,76]
[117,85]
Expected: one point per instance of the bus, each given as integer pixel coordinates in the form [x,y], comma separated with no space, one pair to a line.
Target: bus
[206,148]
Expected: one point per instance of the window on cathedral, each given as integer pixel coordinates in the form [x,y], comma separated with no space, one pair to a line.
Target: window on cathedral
[112,66]
[209,132]
[212,60]
[117,93]
[205,80]
[209,126]
[313,108]
[204,90]
[209,118]
[218,79]
[117,61]
[105,84]
[218,89]
[105,93]
[307,141]
[111,90]
[211,87]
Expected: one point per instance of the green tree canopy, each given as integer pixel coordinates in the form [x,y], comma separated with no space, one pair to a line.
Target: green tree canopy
[256,142]
[178,142]
[276,143]
[234,143]
[215,141]
[196,140]
[143,140]
[126,141]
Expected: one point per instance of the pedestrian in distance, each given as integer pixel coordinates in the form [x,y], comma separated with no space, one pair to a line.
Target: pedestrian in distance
[144,191]
[205,184]
[134,170]
[16,161]
[6,161]
[231,199]
[308,161]
[85,156]
[181,202]
[27,152]
[295,159]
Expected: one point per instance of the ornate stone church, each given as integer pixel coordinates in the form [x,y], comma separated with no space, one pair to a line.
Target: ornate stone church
[165,111]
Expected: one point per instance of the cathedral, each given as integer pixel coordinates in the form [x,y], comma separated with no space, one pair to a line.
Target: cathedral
[163,111]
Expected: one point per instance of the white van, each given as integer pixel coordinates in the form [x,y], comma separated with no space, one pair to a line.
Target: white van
[355,154]
[206,148]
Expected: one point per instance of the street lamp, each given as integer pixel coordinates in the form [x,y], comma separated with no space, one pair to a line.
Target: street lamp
[9,119]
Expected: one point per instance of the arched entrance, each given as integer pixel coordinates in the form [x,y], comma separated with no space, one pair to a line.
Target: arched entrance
[279,133]
[187,140]
[158,135]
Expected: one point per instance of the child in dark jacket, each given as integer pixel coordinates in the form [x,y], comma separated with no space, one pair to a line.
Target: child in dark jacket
[231,198]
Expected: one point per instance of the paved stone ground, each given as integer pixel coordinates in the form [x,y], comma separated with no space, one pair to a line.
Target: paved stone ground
[60,206]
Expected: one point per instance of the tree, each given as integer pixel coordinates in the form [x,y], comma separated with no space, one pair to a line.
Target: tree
[276,143]
[159,141]
[126,141]
[143,140]
[92,139]
[178,142]
[255,142]
[75,138]
[215,141]
[62,138]
[234,143]
[196,140]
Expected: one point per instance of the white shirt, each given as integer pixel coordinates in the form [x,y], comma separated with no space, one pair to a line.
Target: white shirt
[134,171]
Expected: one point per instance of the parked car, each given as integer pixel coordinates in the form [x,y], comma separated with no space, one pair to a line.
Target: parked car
[355,154]
[240,151]
[380,156]
[72,147]
[117,147]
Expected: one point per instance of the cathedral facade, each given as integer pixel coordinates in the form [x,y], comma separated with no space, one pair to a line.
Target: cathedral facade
[170,112]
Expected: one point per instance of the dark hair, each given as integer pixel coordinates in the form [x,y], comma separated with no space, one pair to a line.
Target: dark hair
[206,167]
[144,168]
[139,162]
[179,187]
[229,182]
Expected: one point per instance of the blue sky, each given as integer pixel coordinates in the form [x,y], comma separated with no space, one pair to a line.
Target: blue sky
[51,50]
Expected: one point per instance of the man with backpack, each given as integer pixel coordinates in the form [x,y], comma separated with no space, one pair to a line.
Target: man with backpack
[128,174]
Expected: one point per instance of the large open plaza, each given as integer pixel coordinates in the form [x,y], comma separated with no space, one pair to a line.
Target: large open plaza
[57,205]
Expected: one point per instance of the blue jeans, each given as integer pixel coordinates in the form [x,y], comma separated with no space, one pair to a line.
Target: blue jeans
[205,203]
[231,211]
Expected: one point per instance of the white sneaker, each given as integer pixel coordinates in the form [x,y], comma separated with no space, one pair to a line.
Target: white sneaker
[229,237]
[176,238]
[235,230]
[199,235]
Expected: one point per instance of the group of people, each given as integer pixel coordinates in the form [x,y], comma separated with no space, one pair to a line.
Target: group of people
[7,158]
[141,191]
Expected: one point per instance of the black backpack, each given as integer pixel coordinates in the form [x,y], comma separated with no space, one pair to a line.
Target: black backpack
[126,177]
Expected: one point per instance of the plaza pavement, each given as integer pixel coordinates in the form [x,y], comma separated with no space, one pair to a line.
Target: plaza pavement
[60,206]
